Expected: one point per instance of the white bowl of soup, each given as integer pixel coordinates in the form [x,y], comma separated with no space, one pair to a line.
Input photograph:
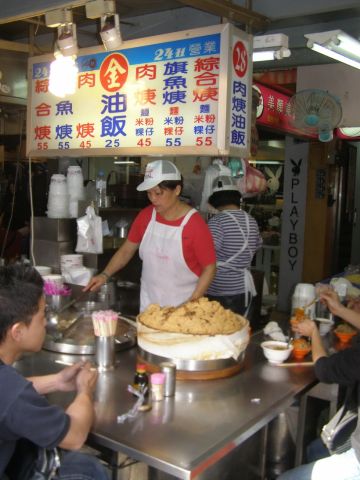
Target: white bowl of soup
[275,351]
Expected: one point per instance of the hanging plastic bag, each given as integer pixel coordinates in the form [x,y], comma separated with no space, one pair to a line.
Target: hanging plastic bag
[253,181]
[89,233]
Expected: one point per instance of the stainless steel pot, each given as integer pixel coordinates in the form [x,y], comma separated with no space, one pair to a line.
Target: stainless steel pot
[122,232]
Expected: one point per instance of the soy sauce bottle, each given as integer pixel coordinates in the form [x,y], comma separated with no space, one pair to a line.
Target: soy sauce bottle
[141,379]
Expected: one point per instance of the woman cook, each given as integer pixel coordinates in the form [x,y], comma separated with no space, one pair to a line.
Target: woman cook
[174,243]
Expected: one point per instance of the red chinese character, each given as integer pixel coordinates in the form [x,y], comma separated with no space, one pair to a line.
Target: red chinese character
[207,64]
[142,97]
[205,94]
[85,130]
[42,86]
[43,110]
[86,79]
[42,132]
[206,79]
[146,70]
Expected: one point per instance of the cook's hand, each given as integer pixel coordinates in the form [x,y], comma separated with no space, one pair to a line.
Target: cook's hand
[95,283]
[86,379]
[66,379]
[305,328]
[331,299]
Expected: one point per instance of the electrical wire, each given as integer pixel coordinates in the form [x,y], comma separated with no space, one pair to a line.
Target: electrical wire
[32,256]
[7,230]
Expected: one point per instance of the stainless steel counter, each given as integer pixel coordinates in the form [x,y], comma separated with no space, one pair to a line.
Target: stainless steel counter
[187,434]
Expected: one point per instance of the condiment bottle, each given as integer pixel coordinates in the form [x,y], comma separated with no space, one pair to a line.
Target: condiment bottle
[169,370]
[141,379]
[157,386]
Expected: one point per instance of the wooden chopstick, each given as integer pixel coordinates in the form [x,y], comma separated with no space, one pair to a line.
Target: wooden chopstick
[310,303]
[296,364]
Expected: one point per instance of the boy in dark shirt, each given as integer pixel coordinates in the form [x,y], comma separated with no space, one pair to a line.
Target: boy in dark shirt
[24,411]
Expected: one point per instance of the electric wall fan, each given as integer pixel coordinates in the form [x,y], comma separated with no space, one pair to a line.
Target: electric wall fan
[315,111]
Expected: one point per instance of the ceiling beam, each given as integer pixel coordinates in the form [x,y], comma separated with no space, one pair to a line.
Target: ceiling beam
[14,46]
[235,13]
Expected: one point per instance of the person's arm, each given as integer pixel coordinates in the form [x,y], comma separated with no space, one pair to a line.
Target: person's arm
[81,410]
[63,381]
[204,281]
[308,328]
[119,260]
[337,308]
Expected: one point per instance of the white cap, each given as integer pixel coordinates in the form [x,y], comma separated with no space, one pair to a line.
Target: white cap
[224,182]
[158,171]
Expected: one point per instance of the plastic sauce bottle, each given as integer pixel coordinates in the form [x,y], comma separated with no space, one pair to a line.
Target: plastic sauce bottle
[100,189]
[141,379]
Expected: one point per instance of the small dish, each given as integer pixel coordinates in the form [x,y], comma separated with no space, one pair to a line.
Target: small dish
[275,351]
[300,353]
[344,337]
[301,348]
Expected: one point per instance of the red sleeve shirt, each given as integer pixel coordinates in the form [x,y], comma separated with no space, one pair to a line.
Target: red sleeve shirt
[198,246]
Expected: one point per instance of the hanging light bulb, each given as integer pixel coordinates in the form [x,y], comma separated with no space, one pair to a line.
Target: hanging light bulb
[63,75]
[110,32]
[67,41]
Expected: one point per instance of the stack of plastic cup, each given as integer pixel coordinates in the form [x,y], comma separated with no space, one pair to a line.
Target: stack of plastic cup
[58,199]
[75,187]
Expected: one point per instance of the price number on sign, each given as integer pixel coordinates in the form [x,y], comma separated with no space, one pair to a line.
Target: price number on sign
[240,59]
[112,143]
[85,144]
[42,145]
[144,142]
[201,141]
[173,142]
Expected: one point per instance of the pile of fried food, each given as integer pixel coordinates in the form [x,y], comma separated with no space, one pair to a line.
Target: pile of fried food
[345,328]
[299,316]
[198,317]
[301,344]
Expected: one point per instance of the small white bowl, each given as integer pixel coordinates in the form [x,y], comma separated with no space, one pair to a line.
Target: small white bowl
[43,270]
[276,352]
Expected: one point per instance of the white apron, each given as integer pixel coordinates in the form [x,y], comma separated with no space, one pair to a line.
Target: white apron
[250,290]
[165,279]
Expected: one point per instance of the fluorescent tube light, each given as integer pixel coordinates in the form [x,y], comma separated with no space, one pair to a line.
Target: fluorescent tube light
[270,47]
[336,44]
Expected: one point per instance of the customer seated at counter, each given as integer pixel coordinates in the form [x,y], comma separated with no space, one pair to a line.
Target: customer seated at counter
[174,243]
[25,413]
[343,368]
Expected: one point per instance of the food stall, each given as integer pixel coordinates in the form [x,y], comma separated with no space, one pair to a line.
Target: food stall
[191,434]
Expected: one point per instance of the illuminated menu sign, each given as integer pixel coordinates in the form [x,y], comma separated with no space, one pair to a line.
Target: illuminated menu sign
[171,94]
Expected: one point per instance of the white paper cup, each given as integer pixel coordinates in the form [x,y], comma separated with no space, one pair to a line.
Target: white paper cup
[58,280]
